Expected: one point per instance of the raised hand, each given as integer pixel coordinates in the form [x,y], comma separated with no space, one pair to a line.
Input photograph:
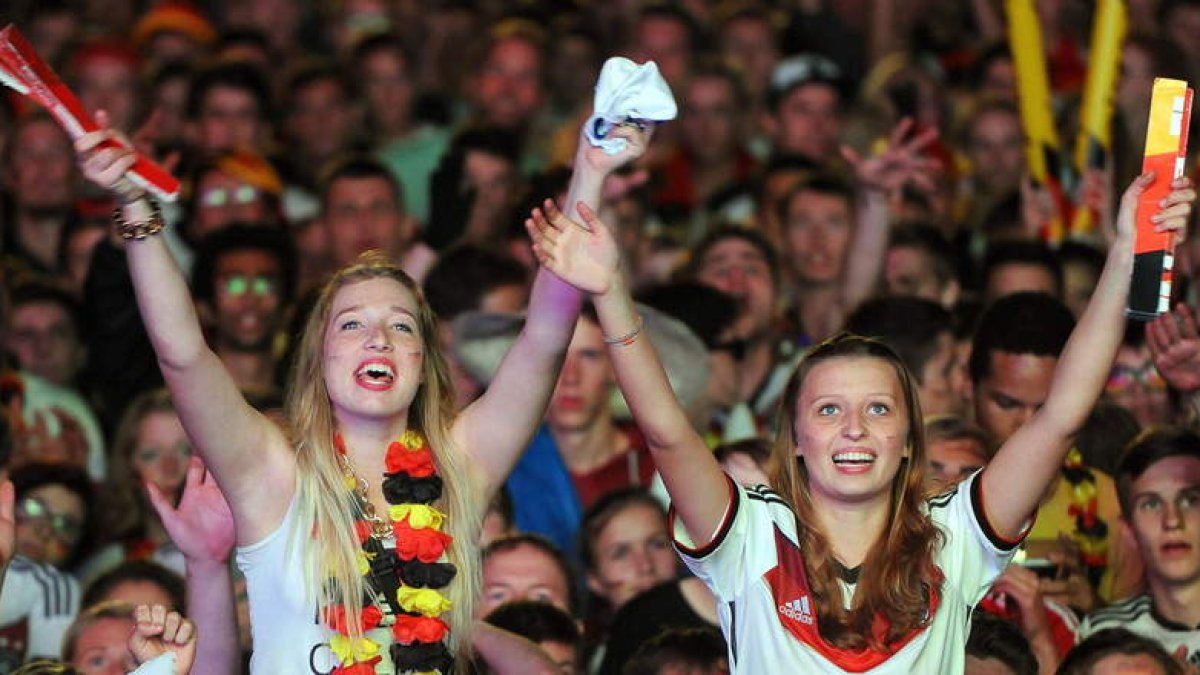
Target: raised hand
[1175,347]
[585,257]
[202,525]
[899,164]
[157,631]
[637,139]
[1174,208]
[105,165]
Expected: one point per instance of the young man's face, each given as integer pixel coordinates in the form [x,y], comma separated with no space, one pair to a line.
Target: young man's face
[249,308]
[1165,520]
[361,214]
[229,119]
[1014,389]
[940,381]
[817,236]
[806,123]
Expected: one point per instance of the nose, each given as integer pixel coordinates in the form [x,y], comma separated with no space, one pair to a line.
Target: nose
[641,563]
[380,339]
[854,427]
[1171,519]
[570,371]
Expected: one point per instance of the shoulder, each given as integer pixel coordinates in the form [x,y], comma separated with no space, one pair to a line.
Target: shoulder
[43,588]
[1120,613]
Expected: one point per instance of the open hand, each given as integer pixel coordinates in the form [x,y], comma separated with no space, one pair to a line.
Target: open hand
[585,257]
[1175,347]
[157,631]
[1022,587]
[902,162]
[202,525]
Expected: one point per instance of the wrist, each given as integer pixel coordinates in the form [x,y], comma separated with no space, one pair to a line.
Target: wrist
[205,564]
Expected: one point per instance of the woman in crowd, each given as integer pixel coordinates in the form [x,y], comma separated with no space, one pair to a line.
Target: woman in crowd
[55,514]
[843,566]
[318,531]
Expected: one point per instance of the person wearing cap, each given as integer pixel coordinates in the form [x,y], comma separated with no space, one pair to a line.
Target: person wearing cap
[804,100]
[173,31]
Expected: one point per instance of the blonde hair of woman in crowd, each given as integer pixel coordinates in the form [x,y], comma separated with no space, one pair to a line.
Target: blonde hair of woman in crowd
[368,310]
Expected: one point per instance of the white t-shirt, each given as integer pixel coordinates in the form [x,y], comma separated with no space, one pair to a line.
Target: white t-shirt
[756,570]
[1137,615]
[37,606]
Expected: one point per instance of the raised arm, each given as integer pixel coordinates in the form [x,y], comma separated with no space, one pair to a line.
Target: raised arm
[1016,479]
[202,528]
[878,180]
[246,452]
[589,259]
[496,428]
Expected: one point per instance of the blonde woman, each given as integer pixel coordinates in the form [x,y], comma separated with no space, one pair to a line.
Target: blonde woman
[843,566]
[356,524]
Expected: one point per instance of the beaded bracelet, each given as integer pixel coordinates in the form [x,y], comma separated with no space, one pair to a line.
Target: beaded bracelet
[629,338]
[142,228]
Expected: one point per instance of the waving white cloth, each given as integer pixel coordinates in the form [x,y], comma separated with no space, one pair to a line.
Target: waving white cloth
[627,92]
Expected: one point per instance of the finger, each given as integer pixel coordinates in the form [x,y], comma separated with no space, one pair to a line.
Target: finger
[1187,322]
[1175,215]
[187,630]
[195,472]
[89,141]
[589,216]
[554,214]
[921,140]
[8,498]
[162,507]
[540,222]
[1136,188]
[1154,333]
[158,615]
[1170,332]
[171,626]
[899,132]
[851,155]
[1178,196]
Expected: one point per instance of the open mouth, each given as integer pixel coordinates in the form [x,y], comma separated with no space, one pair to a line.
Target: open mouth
[852,459]
[376,374]
[1176,548]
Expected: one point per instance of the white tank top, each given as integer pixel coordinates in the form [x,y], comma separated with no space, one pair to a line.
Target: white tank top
[288,640]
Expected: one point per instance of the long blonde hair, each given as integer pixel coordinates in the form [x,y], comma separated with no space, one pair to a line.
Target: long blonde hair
[328,510]
[898,575]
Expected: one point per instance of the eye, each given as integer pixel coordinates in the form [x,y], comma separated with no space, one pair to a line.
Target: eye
[350,324]
[1149,504]
[1189,499]
[878,408]
[619,553]
[402,327]
[148,454]
[828,409]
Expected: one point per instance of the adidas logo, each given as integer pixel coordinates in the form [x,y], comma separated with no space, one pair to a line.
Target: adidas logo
[798,610]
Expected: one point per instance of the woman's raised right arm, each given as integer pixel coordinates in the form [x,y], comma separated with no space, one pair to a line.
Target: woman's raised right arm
[587,258]
[245,451]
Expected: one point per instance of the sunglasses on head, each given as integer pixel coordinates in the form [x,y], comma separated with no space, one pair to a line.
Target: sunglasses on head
[1125,378]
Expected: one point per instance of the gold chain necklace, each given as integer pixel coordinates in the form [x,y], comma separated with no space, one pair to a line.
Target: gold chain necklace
[380,528]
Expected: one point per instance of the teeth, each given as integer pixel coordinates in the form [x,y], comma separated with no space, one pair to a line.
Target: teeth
[377,371]
[853,457]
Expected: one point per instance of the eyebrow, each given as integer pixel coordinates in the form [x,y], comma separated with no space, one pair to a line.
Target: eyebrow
[395,308]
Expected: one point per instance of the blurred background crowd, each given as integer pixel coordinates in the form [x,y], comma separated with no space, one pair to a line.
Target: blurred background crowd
[306,132]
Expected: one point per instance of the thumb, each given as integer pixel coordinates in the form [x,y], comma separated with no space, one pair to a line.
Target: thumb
[164,509]
[589,216]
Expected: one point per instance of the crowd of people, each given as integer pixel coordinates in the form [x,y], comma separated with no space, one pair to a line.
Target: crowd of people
[416,376]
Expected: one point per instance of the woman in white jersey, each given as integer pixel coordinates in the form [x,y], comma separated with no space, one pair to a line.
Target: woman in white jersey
[356,527]
[842,565]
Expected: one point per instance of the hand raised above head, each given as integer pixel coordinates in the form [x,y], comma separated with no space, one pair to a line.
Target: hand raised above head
[104,157]
[637,139]
[901,163]
[1173,212]
[585,257]
[1175,347]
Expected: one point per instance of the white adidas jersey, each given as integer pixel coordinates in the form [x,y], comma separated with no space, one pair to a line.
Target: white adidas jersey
[1138,615]
[756,570]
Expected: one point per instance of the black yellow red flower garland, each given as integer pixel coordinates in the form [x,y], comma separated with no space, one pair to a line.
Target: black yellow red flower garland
[1091,532]
[407,579]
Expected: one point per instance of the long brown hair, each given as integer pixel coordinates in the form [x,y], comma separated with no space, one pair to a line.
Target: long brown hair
[898,576]
[324,504]
[127,510]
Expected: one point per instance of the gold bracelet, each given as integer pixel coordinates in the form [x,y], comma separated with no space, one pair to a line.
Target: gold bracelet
[139,229]
[628,338]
